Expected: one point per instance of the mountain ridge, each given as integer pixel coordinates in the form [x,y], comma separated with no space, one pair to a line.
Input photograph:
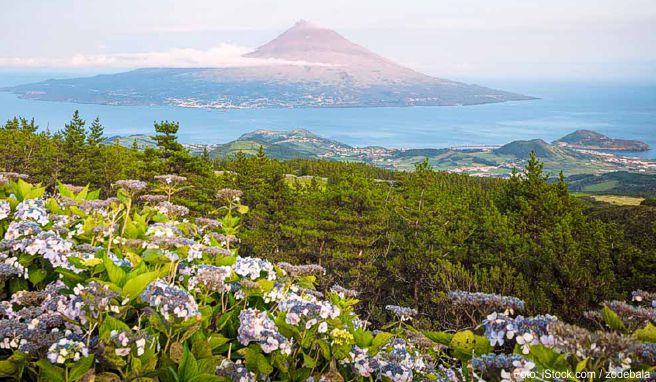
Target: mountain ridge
[498,162]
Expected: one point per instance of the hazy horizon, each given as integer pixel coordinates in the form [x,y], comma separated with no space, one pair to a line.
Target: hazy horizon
[472,40]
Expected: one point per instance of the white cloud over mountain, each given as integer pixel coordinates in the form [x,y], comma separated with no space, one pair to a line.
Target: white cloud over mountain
[223,55]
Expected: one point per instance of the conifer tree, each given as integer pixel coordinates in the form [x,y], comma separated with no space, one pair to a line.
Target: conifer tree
[75,164]
[96,131]
[75,133]
[166,137]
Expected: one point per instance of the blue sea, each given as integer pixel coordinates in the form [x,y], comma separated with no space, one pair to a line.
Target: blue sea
[619,110]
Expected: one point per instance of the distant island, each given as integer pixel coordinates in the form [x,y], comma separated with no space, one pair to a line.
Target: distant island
[306,66]
[487,161]
[591,140]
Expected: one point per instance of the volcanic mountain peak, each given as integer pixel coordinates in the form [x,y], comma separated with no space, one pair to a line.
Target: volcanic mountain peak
[308,42]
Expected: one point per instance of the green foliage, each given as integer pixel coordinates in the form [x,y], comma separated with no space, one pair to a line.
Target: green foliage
[399,237]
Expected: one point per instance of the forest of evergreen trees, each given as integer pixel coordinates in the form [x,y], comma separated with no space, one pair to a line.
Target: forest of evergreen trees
[398,237]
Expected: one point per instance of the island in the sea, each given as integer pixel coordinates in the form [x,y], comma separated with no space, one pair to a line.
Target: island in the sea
[487,161]
[592,140]
[306,66]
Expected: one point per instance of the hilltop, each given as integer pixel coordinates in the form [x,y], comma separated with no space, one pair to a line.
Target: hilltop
[306,66]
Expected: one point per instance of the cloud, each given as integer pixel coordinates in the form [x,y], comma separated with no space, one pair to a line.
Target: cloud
[224,55]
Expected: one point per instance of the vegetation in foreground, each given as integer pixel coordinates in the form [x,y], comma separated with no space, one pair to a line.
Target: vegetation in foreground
[127,288]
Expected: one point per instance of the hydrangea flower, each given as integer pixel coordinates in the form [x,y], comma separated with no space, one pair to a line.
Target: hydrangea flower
[171,210]
[125,341]
[131,185]
[169,300]
[166,230]
[256,326]
[210,277]
[235,371]
[486,301]
[307,310]
[525,330]
[253,268]
[401,312]
[67,350]
[32,210]
[21,230]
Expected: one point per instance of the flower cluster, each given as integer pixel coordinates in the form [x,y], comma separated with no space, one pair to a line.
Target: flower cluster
[131,185]
[256,326]
[486,302]
[32,210]
[397,362]
[308,311]
[525,331]
[171,210]
[632,314]
[210,278]
[343,292]
[253,268]
[235,371]
[229,194]
[125,342]
[67,350]
[171,301]
[642,296]
[170,179]
[96,299]
[401,312]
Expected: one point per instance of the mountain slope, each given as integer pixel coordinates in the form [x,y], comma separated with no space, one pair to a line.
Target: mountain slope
[306,66]
[523,149]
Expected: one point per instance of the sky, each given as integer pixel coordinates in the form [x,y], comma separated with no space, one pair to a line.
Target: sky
[459,39]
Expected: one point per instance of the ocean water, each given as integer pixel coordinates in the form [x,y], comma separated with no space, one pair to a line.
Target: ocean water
[616,109]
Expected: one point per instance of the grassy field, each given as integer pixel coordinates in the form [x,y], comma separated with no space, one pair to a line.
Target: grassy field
[618,200]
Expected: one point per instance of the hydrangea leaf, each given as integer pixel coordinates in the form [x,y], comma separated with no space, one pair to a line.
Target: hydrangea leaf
[309,361]
[110,323]
[547,358]
[380,340]
[466,343]
[7,368]
[36,275]
[217,340]
[363,338]
[443,338]
[50,372]
[646,334]
[134,286]
[581,365]
[80,368]
[115,273]
[612,319]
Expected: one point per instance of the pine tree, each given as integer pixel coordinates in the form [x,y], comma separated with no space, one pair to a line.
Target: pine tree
[74,134]
[75,164]
[166,137]
[96,131]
